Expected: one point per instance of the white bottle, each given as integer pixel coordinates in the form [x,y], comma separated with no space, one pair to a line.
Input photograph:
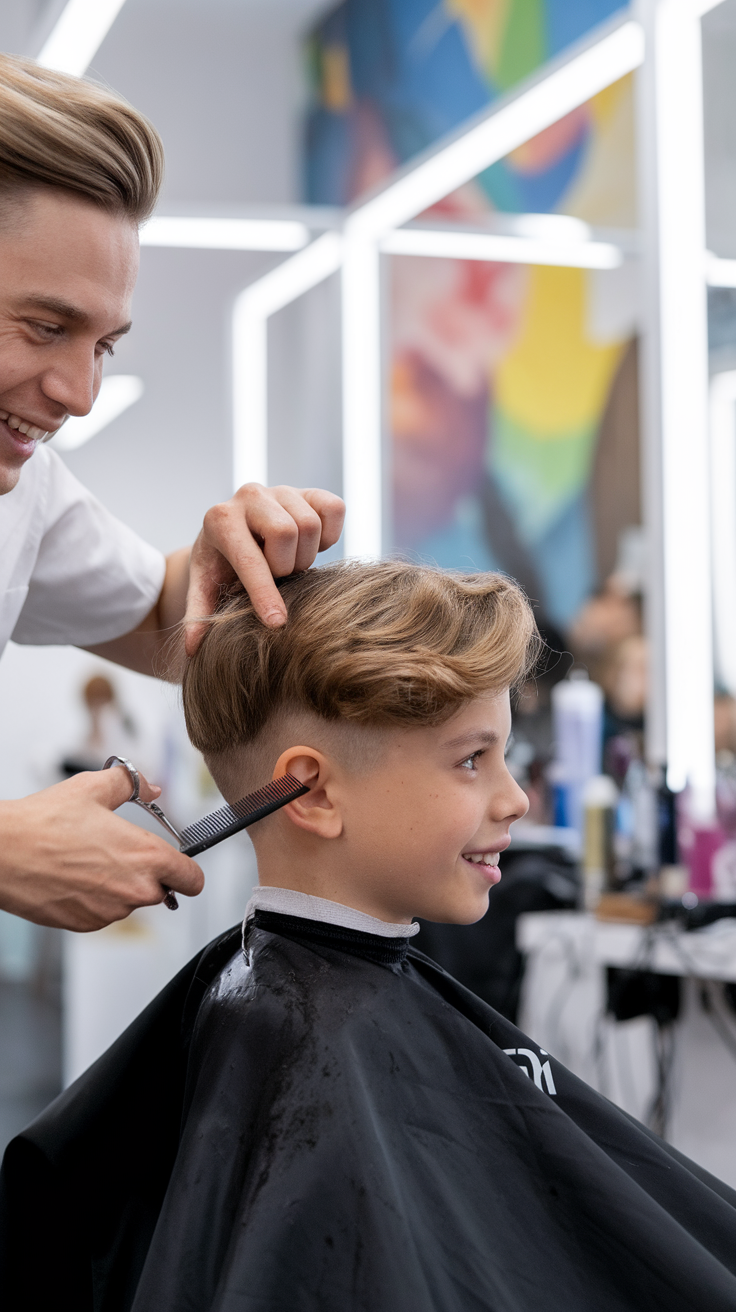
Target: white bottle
[577,721]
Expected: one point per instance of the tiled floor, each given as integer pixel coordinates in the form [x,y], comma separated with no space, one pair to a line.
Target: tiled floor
[30,1054]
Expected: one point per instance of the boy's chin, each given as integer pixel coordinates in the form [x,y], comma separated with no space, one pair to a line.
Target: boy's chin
[461,911]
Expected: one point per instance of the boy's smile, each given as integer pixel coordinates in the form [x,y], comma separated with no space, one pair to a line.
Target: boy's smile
[489,862]
[416,833]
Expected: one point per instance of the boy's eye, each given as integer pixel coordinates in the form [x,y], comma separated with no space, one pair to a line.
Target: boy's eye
[470,762]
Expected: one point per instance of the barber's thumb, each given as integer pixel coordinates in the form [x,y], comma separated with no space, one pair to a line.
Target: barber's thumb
[113,787]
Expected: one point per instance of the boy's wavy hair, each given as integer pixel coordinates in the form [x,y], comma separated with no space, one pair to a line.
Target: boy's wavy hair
[387,643]
[60,131]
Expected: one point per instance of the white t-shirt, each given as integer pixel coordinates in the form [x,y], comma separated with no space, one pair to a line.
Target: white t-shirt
[70,572]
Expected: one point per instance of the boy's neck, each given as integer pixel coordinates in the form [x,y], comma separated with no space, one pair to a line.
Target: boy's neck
[307,906]
[327,870]
[329,888]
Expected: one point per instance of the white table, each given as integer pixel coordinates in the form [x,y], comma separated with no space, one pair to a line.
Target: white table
[563,1009]
[704,953]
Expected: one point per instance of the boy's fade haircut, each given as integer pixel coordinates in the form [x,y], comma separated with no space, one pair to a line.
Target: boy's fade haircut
[373,644]
[60,131]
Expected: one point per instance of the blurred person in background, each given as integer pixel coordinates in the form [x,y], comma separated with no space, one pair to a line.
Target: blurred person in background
[110,730]
[80,170]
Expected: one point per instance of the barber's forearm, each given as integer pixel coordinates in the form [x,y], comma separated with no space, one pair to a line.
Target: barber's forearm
[172,603]
[146,649]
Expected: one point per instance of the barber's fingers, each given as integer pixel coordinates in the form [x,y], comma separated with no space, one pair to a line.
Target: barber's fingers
[148,792]
[210,570]
[229,546]
[164,866]
[131,860]
[275,518]
[295,546]
[318,517]
[155,860]
[68,860]
[311,521]
[258,535]
[113,787]
[331,510]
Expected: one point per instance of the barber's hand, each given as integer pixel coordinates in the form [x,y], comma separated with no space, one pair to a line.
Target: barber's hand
[66,860]
[259,534]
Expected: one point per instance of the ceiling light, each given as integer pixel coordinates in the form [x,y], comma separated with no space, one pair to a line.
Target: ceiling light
[719,273]
[550,227]
[117,393]
[251,313]
[74,41]
[675,395]
[362,398]
[443,243]
[225,234]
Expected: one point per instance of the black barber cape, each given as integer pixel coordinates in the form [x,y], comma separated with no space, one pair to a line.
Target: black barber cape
[339,1126]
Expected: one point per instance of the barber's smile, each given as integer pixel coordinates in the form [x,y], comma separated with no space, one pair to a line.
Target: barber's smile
[21,433]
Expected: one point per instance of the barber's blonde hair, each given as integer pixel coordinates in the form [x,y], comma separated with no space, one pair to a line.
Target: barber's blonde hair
[378,644]
[59,131]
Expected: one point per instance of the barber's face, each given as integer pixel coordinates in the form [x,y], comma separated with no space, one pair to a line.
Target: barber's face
[67,273]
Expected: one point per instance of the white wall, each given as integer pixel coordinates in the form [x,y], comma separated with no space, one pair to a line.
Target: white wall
[719,85]
[222,81]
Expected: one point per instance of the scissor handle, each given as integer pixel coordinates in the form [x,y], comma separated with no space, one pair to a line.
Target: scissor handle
[163,819]
[154,810]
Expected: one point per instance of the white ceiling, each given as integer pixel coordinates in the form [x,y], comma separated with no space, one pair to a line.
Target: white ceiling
[20,20]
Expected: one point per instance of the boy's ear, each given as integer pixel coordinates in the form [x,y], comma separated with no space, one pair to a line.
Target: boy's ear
[316,811]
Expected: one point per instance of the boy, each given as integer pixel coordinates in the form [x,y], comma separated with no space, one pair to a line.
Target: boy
[327,1122]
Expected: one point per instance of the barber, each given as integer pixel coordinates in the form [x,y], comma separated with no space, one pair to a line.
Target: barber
[79,171]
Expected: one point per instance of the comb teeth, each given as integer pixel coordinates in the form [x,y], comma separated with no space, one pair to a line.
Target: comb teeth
[229,820]
[275,791]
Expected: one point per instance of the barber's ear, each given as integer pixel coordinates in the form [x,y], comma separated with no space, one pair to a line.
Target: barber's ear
[316,811]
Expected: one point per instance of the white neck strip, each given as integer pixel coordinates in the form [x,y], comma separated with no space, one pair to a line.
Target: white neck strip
[287,902]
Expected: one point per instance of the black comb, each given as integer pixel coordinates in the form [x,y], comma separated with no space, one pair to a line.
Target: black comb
[220,824]
[229,820]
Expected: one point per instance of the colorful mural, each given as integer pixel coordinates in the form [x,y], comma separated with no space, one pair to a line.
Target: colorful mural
[500,374]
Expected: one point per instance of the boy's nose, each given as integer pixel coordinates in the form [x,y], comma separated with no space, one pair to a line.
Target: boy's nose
[513,803]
